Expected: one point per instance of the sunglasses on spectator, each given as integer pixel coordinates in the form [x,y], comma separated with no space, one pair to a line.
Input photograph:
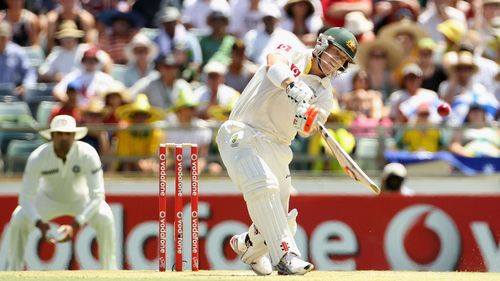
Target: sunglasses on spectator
[90,60]
[464,68]
[378,55]
[140,50]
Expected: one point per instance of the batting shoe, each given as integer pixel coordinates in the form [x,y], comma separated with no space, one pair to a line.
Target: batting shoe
[290,264]
[240,244]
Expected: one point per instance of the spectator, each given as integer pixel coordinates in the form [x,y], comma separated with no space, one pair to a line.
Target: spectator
[216,99]
[96,7]
[15,68]
[433,72]
[436,12]
[67,56]
[380,57]
[173,35]
[411,87]
[90,78]
[116,96]
[217,44]
[163,87]
[393,179]
[140,53]
[92,115]
[300,19]
[62,177]
[268,35]
[406,33]
[460,90]
[334,11]
[489,28]
[421,133]
[360,26]
[195,15]
[121,26]
[487,69]
[387,12]
[453,33]
[70,10]
[26,26]
[245,16]
[366,105]
[70,105]
[141,141]
[191,129]
[479,138]
[240,70]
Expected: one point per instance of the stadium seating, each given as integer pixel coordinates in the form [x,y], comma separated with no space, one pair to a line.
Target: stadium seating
[118,71]
[17,153]
[35,54]
[43,113]
[34,96]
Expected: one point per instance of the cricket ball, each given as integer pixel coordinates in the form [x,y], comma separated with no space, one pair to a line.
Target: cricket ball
[444,109]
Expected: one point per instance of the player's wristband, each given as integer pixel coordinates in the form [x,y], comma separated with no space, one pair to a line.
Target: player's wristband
[279,72]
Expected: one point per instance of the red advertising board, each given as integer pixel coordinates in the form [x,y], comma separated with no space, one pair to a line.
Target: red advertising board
[444,233]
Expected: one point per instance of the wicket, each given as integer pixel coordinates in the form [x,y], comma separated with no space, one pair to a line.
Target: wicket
[178,205]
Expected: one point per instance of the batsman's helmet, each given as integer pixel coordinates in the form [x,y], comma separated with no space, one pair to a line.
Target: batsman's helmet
[340,38]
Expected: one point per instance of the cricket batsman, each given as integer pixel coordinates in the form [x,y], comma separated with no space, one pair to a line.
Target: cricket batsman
[291,94]
[62,177]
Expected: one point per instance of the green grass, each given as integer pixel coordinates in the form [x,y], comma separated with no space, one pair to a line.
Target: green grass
[211,275]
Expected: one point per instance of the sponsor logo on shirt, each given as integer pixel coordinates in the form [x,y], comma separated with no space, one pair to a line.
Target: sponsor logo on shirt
[295,70]
[96,170]
[49,172]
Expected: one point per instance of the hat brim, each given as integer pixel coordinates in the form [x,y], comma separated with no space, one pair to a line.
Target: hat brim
[153,51]
[69,34]
[125,111]
[80,132]
[288,7]
[407,26]
[393,51]
[134,18]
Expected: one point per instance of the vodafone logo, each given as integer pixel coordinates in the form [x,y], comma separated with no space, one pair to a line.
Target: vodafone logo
[437,248]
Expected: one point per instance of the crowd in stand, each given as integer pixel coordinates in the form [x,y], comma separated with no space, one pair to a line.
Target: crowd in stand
[127,63]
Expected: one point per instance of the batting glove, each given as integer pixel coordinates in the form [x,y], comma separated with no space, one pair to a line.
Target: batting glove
[305,117]
[299,92]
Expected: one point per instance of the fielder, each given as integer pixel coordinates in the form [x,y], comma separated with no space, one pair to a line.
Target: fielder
[291,94]
[62,177]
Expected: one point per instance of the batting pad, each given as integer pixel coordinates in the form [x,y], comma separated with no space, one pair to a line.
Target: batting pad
[266,211]
[258,247]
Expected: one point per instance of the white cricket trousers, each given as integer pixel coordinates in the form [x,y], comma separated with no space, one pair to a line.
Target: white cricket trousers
[102,222]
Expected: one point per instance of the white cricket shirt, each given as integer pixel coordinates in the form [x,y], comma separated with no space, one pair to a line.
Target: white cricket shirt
[79,178]
[267,108]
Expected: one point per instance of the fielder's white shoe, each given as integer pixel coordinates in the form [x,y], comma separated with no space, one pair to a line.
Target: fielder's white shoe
[239,244]
[290,264]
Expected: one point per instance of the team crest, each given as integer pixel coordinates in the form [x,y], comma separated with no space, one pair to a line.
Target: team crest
[76,169]
[351,45]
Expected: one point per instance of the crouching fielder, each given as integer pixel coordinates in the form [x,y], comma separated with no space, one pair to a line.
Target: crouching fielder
[291,94]
[62,177]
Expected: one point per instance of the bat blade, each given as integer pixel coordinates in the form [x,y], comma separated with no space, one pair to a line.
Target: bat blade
[350,167]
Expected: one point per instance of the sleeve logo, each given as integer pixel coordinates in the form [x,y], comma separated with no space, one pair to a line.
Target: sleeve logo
[295,70]
[284,47]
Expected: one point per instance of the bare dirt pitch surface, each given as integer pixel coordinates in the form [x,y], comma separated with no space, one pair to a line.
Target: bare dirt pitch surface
[212,275]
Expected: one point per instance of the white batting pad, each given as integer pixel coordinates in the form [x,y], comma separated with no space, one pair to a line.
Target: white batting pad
[258,247]
[266,212]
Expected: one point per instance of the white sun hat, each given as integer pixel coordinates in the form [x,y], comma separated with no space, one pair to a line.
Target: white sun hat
[66,124]
[357,23]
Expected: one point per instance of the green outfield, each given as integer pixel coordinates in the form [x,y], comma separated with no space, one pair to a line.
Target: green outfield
[210,275]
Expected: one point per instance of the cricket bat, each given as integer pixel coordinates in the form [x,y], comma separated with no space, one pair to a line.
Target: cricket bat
[347,163]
